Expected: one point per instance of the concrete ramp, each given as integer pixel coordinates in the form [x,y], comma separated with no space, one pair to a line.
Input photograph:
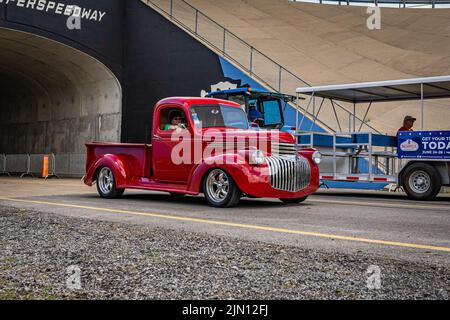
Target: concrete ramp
[328,44]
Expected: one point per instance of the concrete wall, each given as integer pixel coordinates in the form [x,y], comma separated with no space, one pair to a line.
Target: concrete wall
[160,60]
[328,44]
[58,94]
[54,98]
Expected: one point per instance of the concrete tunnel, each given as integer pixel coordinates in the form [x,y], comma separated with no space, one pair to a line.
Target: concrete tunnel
[53,97]
[61,88]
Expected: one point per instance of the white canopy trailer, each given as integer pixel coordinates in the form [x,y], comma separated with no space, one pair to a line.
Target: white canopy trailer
[345,153]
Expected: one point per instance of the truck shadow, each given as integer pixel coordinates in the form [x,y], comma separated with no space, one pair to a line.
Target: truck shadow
[198,201]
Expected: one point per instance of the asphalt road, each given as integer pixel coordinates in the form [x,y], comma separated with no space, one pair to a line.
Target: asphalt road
[375,223]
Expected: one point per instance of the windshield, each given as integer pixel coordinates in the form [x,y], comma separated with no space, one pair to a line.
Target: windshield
[210,116]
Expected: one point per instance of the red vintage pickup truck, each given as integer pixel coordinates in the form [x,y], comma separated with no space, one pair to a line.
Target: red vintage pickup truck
[206,146]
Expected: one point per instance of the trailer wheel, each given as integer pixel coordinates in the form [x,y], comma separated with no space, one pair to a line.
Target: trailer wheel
[294,201]
[421,181]
[106,184]
[220,189]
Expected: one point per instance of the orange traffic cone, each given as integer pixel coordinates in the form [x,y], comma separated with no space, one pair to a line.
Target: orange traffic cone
[45,161]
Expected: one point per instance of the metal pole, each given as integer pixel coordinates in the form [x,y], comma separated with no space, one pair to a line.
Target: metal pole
[334,157]
[337,117]
[314,105]
[370,157]
[349,122]
[296,114]
[317,115]
[171,8]
[365,117]
[251,61]
[422,103]
[354,116]
[224,39]
[307,109]
[279,79]
[196,22]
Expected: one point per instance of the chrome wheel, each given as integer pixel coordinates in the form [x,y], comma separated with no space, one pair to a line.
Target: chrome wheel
[420,181]
[218,185]
[106,181]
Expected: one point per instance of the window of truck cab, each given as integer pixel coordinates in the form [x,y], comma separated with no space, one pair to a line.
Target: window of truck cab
[219,116]
[165,114]
[273,113]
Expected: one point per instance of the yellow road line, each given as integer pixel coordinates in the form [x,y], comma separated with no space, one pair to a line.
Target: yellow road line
[381,204]
[311,200]
[237,225]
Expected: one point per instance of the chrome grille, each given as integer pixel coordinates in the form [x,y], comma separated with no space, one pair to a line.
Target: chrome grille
[290,174]
[283,149]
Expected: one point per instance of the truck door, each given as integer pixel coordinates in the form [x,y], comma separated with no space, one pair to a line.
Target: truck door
[171,121]
[273,113]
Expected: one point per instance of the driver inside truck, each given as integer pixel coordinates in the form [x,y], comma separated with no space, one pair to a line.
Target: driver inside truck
[253,113]
[175,122]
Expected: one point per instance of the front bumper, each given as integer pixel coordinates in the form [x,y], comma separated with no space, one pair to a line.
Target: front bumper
[276,179]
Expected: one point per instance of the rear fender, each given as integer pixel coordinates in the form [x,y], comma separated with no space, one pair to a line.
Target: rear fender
[113,162]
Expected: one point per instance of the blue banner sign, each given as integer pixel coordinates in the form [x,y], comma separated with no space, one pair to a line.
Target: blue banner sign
[424,145]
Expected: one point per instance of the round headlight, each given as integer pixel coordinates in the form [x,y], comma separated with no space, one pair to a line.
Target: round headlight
[257,157]
[317,157]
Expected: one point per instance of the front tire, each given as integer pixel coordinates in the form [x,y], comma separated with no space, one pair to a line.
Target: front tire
[220,189]
[106,184]
[294,201]
[421,181]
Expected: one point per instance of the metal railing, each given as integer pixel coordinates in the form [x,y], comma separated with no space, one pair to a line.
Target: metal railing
[31,165]
[341,115]
[386,3]
[354,150]
[246,57]
[226,43]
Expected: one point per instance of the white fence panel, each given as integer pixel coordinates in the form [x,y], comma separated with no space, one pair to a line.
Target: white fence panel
[17,163]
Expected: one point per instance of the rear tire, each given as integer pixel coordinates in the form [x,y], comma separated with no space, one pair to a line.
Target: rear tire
[422,182]
[294,201]
[106,184]
[220,189]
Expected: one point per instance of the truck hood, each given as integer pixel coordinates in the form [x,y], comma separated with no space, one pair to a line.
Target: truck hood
[260,135]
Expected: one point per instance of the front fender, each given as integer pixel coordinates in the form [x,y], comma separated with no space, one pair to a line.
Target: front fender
[113,162]
[235,165]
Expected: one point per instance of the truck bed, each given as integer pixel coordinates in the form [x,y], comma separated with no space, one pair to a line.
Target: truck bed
[138,157]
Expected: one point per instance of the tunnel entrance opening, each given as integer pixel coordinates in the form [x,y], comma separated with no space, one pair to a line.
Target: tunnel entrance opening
[54,98]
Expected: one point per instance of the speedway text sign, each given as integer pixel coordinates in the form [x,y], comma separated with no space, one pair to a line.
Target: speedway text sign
[424,145]
[58,8]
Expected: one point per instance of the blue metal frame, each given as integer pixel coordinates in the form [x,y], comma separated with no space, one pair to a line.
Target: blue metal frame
[252,93]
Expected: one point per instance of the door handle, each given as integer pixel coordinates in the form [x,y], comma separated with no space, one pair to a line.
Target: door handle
[157,137]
